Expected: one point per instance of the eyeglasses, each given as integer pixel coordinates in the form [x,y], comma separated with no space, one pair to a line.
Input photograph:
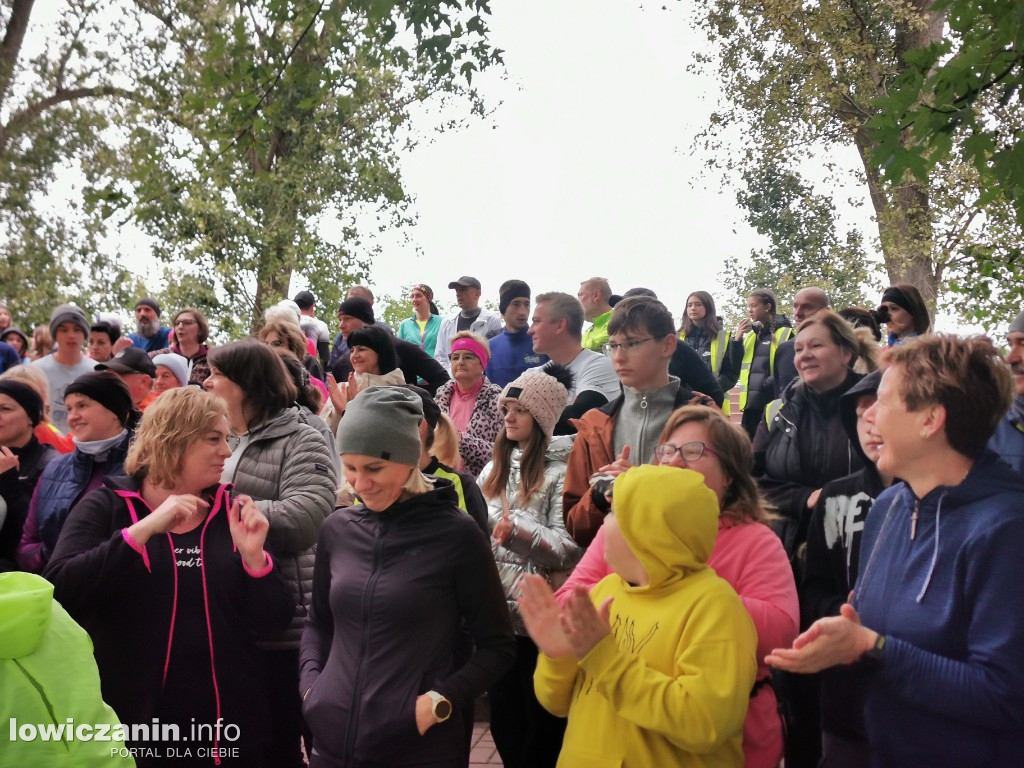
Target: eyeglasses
[184,322]
[456,357]
[629,346]
[518,410]
[689,451]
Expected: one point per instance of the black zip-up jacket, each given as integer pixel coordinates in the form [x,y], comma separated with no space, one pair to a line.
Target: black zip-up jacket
[126,600]
[688,366]
[389,592]
[805,446]
[16,487]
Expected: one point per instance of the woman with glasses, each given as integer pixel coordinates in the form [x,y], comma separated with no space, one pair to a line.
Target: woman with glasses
[746,554]
[523,487]
[191,330]
[471,400]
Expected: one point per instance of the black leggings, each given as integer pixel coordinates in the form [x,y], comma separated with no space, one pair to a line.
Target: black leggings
[526,735]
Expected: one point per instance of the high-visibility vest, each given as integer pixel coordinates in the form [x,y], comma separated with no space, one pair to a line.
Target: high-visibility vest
[749,343]
[457,482]
[719,345]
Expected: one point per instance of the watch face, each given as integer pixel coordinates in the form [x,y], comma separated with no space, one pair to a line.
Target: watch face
[442,709]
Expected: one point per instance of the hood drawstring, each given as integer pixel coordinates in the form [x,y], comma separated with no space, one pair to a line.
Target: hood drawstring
[935,551]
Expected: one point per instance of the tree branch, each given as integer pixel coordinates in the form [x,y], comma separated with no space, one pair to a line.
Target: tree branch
[10,49]
[25,116]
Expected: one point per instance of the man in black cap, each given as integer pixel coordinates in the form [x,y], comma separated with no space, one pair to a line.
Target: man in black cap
[312,326]
[469,318]
[1008,441]
[512,351]
[136,370]
[149,335]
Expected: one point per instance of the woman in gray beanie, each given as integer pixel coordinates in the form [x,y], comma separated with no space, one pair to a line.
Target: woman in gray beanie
[523,486]
[395,580]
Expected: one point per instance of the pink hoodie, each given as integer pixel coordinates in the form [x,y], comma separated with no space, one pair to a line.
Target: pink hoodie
[751,558]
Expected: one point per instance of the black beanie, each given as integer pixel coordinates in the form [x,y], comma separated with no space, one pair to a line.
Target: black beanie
[357,307]
[105,388]
[26,397]
[511,290]
[431,410]
[896,296]
[379,340]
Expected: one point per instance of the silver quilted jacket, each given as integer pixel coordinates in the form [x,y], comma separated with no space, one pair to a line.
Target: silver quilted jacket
[538,542]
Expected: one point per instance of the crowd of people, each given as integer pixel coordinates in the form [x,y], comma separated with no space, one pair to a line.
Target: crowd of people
[327,547]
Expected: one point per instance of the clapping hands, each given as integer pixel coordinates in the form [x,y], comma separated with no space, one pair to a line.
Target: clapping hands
[576,629]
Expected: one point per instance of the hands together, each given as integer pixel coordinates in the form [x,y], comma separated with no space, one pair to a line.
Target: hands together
[558,632]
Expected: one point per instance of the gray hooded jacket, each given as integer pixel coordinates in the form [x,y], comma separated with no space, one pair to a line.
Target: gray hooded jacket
[288,470]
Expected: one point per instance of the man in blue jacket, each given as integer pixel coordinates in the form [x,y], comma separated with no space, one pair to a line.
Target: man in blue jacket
[512,351]
[1008,441]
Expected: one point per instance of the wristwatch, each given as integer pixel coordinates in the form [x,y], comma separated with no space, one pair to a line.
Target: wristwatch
[442,708]
[876,656]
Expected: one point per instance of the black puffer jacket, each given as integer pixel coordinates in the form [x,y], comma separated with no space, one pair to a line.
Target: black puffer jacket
[390,592]
[804,447]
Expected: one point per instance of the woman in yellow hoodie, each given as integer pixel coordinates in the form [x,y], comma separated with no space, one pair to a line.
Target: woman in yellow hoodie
[660,674]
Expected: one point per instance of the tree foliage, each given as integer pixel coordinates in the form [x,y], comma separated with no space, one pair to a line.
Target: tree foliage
[803,81]
[249,140]
[805,247]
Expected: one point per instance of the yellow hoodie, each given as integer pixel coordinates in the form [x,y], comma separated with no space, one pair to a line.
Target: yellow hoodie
[670,685]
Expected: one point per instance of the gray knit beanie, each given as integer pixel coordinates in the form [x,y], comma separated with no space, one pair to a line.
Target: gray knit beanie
[383,422]
[1017,326]
[68,313]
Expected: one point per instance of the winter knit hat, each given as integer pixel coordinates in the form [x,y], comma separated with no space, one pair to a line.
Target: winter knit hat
[544,393]
[68,313]
[383,422]
[176,364]
[1017,326]
[107,389]
[146,301]
[359,308]
[511,290]
[26,397]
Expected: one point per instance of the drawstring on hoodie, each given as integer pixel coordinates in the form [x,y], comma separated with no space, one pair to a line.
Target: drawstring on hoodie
[935,551]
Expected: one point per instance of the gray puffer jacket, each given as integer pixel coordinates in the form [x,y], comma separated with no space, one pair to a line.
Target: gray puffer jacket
[288,470]
[538,542]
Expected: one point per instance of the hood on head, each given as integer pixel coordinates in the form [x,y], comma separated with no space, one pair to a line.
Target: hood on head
[25,610]
[669,518]
[848,408]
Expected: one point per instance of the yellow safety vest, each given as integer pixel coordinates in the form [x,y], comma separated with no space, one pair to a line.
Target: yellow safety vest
[749,343]
[719,345]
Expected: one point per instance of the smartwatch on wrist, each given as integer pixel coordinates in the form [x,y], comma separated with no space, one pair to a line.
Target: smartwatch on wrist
[876,656]
[441,707]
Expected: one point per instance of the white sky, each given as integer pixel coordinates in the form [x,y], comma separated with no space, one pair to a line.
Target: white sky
[584,168]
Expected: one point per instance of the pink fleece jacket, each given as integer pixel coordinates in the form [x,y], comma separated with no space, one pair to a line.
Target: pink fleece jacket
[751,558]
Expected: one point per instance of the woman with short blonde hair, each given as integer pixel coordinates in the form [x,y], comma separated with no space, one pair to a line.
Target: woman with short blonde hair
[168,574]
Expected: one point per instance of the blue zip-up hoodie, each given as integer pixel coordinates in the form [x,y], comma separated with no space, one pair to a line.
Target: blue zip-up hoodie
[950,603]
[511,354]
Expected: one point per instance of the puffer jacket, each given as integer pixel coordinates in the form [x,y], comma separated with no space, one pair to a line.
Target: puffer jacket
[538,542]
[288,470]
[801,445]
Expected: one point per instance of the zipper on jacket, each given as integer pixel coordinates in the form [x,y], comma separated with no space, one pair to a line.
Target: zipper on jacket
[913,519]
[371,585]
[46,702]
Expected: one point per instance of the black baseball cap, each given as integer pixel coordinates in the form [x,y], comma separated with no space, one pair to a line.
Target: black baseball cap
[132,360]
[465,282]
[304,299]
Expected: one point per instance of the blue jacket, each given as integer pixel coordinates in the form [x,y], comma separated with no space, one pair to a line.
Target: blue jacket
[157,341]
[949,602]
[1008,443]
[62,482]
[511,354]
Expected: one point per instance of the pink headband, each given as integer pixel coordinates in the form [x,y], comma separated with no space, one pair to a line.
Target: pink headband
[473,346]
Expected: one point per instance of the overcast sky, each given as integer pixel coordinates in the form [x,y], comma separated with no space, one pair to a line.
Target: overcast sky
[585,167]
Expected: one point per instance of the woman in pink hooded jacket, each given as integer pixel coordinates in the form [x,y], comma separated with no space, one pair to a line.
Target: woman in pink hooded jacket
[747,554]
